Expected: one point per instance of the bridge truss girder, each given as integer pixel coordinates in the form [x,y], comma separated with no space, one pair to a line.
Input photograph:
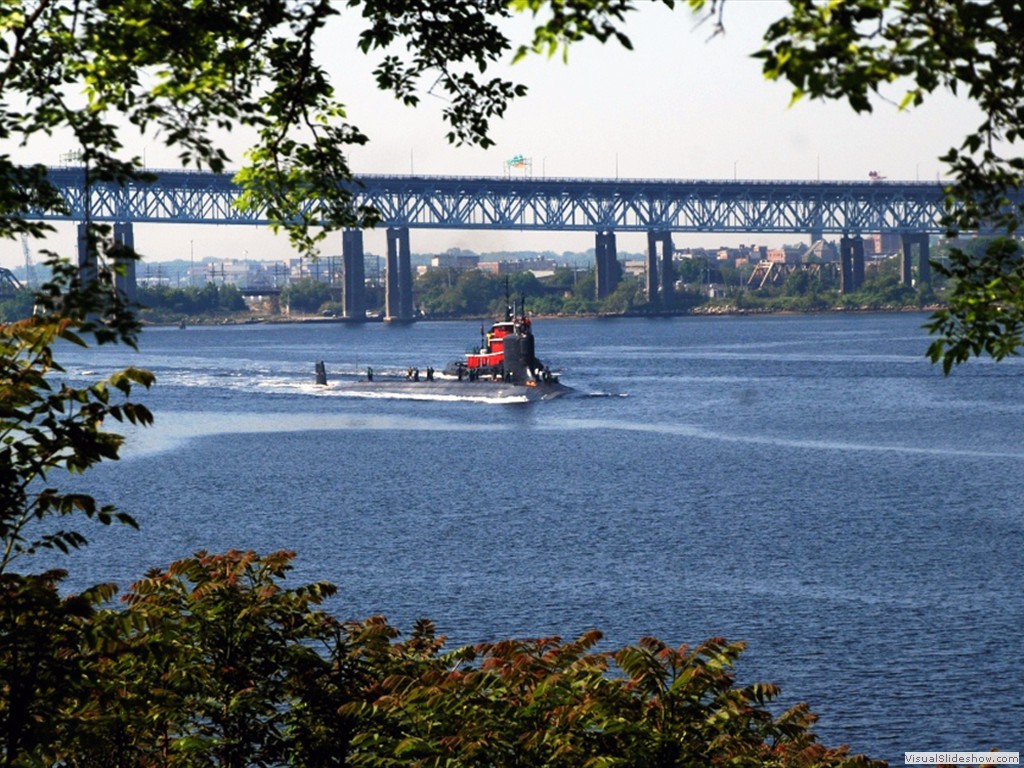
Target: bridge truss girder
[590,205]
[641,206]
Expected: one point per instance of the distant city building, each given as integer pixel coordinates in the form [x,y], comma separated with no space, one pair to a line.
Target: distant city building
[743,255]
[538,266]
[882,244]
[820,251]
[228,272]
[635,267]
[787,254]
[275,274]
[462,262]
[696,253]
[250,274]
[154,276]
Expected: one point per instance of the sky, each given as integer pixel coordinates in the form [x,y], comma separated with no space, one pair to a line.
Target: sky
[681,105]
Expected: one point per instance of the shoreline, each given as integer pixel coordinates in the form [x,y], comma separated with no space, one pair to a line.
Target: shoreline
[697,312]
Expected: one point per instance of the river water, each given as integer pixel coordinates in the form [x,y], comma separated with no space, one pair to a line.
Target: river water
[809,484]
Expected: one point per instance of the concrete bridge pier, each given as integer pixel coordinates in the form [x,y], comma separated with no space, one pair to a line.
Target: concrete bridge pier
[398,279]
[606,263]
[924,266]
[124,245]
[851,260]
[124,241]
[924,271]
[667,278]
[353,271]
[87,267]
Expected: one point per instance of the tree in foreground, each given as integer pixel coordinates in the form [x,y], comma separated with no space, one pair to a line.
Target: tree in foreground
[51,427]
[48,425]
[212,662]
[215,662]
[866,51]
[105,74]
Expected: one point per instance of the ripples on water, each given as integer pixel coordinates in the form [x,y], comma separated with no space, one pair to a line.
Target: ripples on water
[809,484]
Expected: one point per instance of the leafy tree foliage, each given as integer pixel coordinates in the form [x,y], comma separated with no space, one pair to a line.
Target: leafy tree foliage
[208,300]
[806,281]
[582,299]
[214,662]
[985,310]
[627,295]
[883,291]
[858,49]
[17,306]
[472,293]
[453,294]
[234,644]
[40,661]
[47,424]
[230,299]
[185,74]
[799,283]
[305,295]
[906,50]
[51,426]
[692,270]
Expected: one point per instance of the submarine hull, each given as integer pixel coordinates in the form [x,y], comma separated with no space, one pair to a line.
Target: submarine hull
[486,390]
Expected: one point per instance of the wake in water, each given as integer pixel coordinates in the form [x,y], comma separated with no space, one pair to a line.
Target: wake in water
[702,433]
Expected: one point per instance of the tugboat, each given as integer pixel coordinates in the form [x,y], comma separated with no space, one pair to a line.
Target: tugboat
[503,368]
[506,353]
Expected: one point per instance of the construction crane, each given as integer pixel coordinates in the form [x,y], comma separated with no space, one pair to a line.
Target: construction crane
[30,270]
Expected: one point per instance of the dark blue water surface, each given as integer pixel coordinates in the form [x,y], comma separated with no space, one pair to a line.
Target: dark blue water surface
[811,485]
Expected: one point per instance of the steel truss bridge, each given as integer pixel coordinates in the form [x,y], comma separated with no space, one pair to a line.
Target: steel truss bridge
[617,205]
[659,207]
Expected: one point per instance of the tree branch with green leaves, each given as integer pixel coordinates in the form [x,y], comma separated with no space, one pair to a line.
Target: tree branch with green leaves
[190,74]
[904,51]
[48,425]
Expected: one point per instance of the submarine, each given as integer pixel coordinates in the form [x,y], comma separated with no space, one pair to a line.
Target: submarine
[503,368]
